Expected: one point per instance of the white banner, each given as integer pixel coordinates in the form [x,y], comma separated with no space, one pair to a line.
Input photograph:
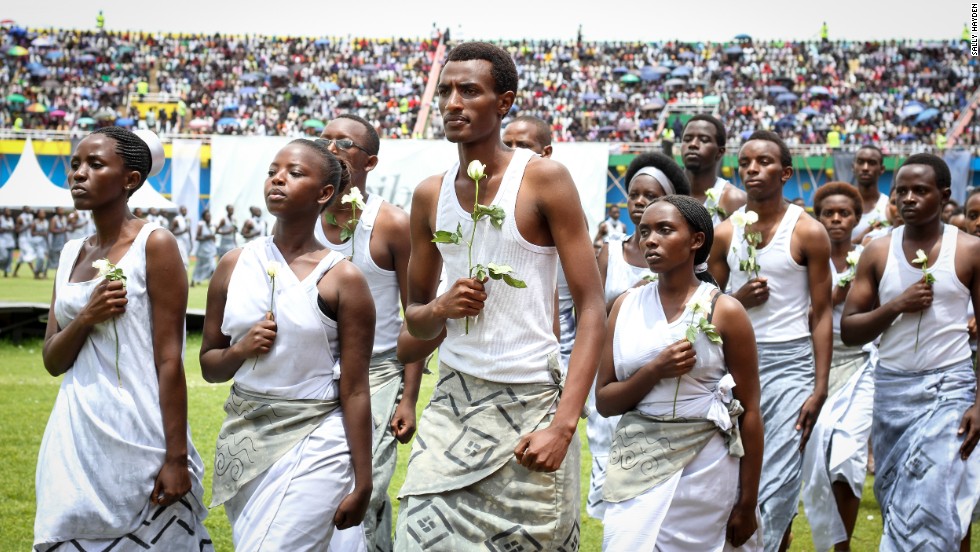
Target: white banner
[185,183]
[239,166]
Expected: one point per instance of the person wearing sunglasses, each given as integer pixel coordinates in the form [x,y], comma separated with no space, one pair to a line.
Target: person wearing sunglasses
[376,239]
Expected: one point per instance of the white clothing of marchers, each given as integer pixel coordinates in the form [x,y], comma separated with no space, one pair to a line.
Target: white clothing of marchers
[291,505]
[104,443]
[690,510]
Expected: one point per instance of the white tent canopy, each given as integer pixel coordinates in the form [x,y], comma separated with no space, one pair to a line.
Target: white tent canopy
[146,197]
[28,185]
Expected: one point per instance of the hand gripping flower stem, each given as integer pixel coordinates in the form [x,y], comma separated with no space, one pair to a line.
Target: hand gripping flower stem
[700,310]
[112,273]
[923,260]
[477,172]
[271,270]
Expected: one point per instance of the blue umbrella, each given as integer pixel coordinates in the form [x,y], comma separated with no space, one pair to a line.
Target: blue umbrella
[225,121]
[322,42]
[591,97]
[248,90]
[621,69]
[618,96]
[682,71]
[912,109]
[743,37]
[687,55]
[86,58]
[788,121]
[230,107]
[252,77]
[786,97]
[927,115]
[40,72]
[905,137]
[734,50]
[125,122]
[17,31]
[649,74]
[809,111]
[819,91]
[745,134]
[674,82]
[777,89]
[54,54]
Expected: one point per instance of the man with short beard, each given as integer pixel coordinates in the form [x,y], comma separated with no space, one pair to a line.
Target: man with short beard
[702,148]
[869,165]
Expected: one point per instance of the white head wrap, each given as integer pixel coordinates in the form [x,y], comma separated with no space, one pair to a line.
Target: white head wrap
[657,175]
[157,158]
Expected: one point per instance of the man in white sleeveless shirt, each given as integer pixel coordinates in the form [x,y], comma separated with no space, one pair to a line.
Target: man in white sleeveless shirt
[702,148]
[794,349]
[869,165]
[926,420]
[380,247]
[495,465]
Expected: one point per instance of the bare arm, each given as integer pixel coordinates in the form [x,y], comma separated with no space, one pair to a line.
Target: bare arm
[558,203]
[718,257]
[346,292]
[166,288]
[970,254]
[219,358]
[816,248]
[863,319]
[743,363]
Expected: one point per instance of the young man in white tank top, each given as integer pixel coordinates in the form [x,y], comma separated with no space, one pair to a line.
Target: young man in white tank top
[869,165]
[794,349]
[380,248]
[702,148]
[926,417]
[510,476]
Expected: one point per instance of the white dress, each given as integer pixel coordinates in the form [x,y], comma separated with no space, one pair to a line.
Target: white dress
[291,505]
[690,510]
[104,443]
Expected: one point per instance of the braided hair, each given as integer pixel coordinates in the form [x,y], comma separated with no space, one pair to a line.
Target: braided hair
[699,220]
[335,170]
[133,151]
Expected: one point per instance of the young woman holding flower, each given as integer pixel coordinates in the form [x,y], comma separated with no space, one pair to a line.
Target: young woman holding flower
[836,459]
[621,267]
[926,420]
[684,466]
[116,461]
[293,324]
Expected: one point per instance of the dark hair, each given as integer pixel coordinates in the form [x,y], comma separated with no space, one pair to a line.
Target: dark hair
[721,137]
[541,127]
[838,188]
[881,154]
[132,149]
[939,167]
[335,170]
[373,144]
[667,165]
[785,158]
[503,70]
[699,220]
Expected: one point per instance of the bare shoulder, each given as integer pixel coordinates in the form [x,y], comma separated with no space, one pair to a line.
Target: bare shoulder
[967,246]
[161,243]
[393,219]
[344,273]
[877,249]
[812,233]
[543,171]
[429,188]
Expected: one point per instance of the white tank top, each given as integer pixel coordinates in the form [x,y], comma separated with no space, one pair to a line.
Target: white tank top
[304,360]
[880,212]
[719,189]
[512,339]
[943,339]
[784,316]
[642,332]
[620,275]
[383,283]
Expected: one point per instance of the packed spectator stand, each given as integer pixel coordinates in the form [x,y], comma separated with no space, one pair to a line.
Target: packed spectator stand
[812,92]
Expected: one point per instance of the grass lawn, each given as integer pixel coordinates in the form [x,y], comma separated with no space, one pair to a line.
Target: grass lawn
[27,394]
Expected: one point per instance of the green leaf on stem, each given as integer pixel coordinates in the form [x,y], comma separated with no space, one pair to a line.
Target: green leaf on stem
[514,282]
[692,333]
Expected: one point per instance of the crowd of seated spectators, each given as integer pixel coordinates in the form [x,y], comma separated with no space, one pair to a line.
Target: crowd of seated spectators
[811,92]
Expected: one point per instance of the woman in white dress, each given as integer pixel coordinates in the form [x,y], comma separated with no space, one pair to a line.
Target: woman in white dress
[622,266]
[683,471]
[206,249]
[117,469]
[293,324]
[836,458]
[39,242]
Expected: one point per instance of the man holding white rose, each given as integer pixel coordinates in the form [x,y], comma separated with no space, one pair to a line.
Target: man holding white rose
[496,462]
[778,262]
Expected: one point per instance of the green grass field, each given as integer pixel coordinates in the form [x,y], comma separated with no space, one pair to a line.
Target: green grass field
[27,394]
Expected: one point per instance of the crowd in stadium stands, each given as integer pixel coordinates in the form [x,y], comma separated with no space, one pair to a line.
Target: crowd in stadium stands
[811,92]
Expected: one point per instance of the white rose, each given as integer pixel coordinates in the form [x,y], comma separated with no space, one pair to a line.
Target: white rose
[476,170]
